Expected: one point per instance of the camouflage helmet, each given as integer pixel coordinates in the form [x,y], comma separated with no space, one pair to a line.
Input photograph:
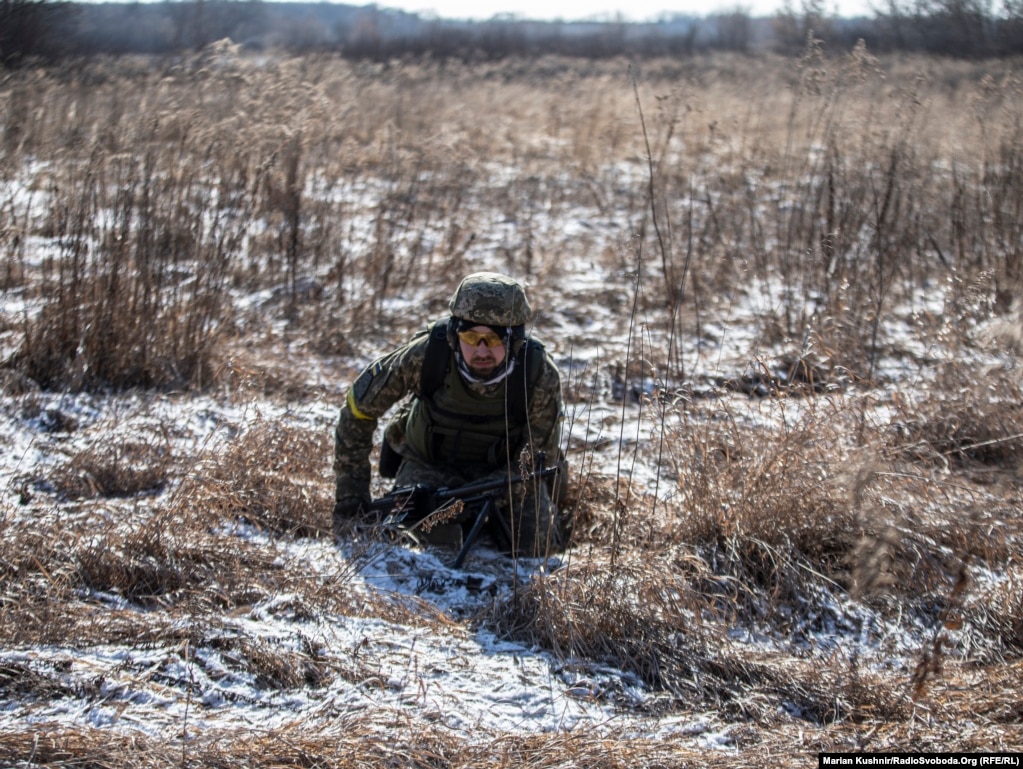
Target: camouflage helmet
[491,299]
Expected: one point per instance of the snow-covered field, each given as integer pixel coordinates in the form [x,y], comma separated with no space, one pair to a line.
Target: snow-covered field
[194,598]
[447,668]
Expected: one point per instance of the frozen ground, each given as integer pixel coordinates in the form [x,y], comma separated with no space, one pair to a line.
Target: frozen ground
[446,669]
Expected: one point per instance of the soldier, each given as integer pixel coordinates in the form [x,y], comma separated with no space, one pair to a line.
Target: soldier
[483,394]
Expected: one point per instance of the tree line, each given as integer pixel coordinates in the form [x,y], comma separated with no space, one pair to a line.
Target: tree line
[32,30]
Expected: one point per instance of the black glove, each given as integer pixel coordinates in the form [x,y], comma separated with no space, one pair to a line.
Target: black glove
[345,511]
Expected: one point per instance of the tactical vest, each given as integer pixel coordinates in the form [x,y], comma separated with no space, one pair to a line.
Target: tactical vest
[451,425]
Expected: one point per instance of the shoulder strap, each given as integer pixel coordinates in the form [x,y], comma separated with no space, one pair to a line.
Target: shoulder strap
[435,364]
[524,378]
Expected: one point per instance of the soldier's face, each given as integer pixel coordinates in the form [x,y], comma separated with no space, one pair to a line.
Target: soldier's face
[481,359]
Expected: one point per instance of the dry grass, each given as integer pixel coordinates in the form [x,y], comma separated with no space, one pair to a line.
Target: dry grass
[270,221]
[355,742]
[655,619]
[115,470]
[759,168]
[179,555]
[972,418]
[768,518]
[273,476]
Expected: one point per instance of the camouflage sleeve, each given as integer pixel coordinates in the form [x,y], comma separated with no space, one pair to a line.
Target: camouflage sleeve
[546,411]
[382,384]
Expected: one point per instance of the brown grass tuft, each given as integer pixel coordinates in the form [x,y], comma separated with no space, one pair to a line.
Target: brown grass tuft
[661,621]
[273,475]
[115,469]
[971,417]
[770,507]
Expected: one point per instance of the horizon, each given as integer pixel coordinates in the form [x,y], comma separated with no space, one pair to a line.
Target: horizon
[636,11]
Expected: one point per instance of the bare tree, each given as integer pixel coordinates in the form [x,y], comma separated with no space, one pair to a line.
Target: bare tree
[963,28]
[1011,31]
[734,30]
[28,29]
[793,27]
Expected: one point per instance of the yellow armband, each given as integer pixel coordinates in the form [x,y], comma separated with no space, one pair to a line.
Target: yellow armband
[356,412]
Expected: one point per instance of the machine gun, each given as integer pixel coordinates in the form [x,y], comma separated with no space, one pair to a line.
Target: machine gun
[408,507]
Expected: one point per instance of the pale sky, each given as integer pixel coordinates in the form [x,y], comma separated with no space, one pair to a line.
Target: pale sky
[631,10]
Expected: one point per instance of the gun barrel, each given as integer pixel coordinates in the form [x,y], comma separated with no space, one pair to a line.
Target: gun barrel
[496,484]
[400,497]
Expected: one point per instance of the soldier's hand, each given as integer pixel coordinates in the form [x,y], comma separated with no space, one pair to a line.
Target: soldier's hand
[345,511]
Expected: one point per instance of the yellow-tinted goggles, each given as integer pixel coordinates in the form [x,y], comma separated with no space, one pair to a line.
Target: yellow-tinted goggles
[473,338]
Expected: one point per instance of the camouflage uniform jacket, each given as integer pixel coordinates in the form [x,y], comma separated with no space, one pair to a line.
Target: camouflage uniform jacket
[396,375]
